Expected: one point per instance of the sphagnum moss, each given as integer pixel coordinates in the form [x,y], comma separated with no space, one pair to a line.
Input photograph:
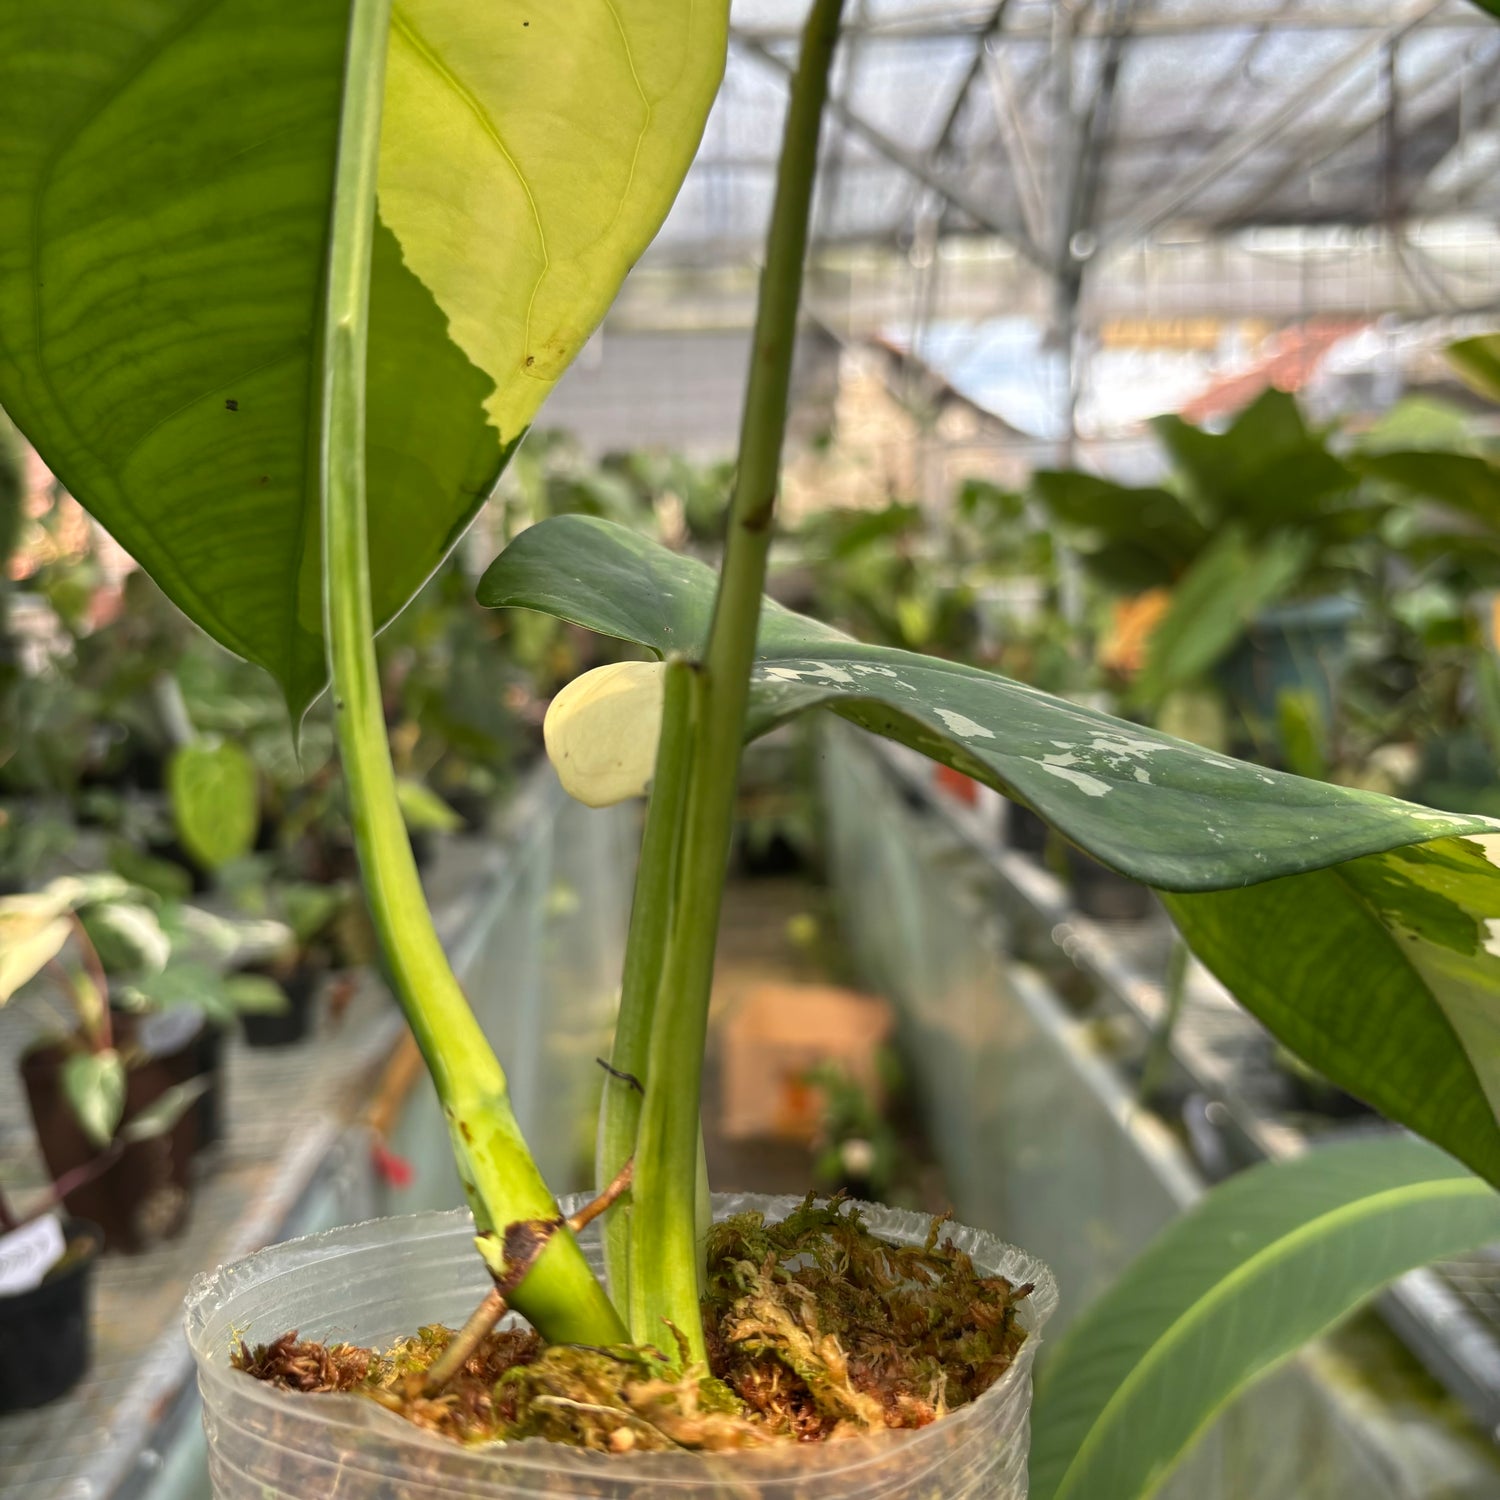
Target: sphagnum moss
[817,1330]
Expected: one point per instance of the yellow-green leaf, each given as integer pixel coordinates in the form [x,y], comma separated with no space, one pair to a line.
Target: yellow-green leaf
[31,936]
[528,154]
[215,801]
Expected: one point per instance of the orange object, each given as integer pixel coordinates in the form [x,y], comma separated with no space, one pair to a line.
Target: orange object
[1134,620]
[776,1036]
[956,784]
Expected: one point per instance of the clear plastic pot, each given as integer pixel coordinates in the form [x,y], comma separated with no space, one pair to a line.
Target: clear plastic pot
[374,1283]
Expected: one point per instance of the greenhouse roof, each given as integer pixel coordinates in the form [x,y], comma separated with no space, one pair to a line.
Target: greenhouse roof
[1064,126]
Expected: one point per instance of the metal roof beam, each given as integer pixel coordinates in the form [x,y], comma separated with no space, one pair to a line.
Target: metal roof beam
[1037,30]
[946,187]
[1159,210]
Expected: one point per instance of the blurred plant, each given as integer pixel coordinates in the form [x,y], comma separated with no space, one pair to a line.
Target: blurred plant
[34,932]
[1260,514]
[857,1149]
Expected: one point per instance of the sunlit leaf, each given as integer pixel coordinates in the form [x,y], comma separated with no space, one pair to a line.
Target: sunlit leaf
[1264,1263]
[520,243]
[1477,360]
[166,173]
[94,1086]
[29,941]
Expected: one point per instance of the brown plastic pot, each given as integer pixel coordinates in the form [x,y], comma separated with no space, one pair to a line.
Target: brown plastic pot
[46,1332]
[143,1197]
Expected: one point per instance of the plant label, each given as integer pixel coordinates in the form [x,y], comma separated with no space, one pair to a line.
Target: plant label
[28,1253]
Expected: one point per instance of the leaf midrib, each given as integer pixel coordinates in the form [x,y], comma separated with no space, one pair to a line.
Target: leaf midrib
[433,59]
[1249,1269]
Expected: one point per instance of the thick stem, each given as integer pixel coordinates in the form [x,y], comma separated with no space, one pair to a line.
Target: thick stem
[663,1219]
[560,1295]
[645,962]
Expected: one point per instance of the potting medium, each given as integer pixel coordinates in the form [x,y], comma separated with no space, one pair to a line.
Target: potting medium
[374,1283]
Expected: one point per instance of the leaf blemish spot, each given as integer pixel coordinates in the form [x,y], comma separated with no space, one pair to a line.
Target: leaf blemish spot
[231,404]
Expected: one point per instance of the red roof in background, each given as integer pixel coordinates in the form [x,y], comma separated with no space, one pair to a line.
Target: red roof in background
[1288,361]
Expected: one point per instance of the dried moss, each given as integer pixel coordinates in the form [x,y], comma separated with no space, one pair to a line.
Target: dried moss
[816,1330]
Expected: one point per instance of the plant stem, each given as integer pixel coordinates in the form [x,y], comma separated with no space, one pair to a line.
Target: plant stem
[645,963]
[559,1295]
[100,1032]
[663,1220]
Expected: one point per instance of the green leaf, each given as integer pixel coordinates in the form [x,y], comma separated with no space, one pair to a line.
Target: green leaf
[162,877]
[1477,360]
[1232,581]
[1264,1263]
[215,801]
[1168,813]
[128,936]
[256,995]
[166,173]
[522,249]
[1267,470]
[1461,481]
[1410,1020]
[310,908]
[163,1113]
[1129,538]
[423,810]
[94,1086]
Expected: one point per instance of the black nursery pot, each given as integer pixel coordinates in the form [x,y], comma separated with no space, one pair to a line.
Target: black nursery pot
[1103,894]
[46,1333]
[296,1021]
[209,1108]
[1025,831]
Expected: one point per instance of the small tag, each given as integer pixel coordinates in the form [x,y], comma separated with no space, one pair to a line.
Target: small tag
[28,1253]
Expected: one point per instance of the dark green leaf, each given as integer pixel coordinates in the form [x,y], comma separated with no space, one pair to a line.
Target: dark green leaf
[1166,812]
[1268,469]
[1266,1262]
[1460,481]
[1130,538]
[1381,973]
